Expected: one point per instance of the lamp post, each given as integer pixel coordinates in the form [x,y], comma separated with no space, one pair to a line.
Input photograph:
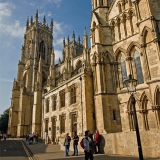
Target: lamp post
[131,86]
[80,78]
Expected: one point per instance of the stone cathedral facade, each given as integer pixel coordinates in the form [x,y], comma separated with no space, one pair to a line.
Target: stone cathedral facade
[85,90]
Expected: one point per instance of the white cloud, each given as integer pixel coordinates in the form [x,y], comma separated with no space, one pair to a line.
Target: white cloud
[31,4]
[58,54]
[6,80]
[54,1]
[41,14]
[49,14]
[4,11]
[58,41]
[14,29]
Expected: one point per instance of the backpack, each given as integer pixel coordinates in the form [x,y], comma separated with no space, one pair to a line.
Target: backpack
[82,143]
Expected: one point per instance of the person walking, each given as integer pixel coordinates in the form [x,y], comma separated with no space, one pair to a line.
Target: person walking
[87,146]
[36,137]
[97,142]
[75,143]
[46,137]
[67,141]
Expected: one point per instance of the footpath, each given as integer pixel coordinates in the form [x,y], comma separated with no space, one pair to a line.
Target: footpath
[52,152]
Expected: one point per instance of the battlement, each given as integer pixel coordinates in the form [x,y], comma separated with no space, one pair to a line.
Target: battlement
[31,23]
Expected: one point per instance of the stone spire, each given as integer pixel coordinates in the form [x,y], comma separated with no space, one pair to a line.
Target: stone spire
[31,20]
[44,20]
[64,42]
[85,39]
[51,25]
[36,17]
[73,37]
[27,24]
[79,40]
[68,40]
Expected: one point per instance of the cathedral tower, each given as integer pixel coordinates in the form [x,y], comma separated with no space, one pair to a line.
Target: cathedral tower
[33,71]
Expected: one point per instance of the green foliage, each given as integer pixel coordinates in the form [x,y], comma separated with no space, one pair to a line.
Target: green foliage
[4,121]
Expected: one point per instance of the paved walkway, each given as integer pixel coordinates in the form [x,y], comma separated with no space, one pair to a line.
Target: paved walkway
[52,152]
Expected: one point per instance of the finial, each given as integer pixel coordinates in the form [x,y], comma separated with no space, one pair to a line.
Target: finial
[79,39]
[73,37]
[59,60]
[85,32]
[64,43]
[51,25]
[31,20]
[68,39]
[44,20]
[36,16]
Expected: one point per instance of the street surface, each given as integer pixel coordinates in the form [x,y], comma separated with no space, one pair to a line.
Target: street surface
[12,150]
[18,149]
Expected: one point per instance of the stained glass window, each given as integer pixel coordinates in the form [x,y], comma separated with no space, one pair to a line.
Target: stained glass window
[123,69]
[138,67]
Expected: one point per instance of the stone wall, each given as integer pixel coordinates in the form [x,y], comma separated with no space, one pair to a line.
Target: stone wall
[125,143]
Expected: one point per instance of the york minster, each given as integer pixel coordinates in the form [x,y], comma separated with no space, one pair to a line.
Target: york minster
[85,90]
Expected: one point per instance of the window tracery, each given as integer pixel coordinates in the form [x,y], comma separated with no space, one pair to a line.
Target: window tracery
[138,67]
[42,50]
[123,68]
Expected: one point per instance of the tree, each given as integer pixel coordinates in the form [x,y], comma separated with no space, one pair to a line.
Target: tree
[4,121]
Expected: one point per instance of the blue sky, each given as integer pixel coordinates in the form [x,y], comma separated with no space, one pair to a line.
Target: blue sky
[68,16]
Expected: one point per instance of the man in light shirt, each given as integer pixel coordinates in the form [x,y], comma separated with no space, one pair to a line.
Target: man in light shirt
[87,147]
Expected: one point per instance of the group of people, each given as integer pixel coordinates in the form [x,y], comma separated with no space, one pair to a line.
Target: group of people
[3,136]
[32,138]
[90,144]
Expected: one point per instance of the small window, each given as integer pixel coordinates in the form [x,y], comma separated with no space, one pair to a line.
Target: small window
[114,115]
[47,105]
[62,98]
[54,103]
[73,95]
[62,124]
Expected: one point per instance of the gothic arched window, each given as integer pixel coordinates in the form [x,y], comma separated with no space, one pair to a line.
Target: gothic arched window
[123,69]
[138,67]
[131,116]
[145,113]
[42,50]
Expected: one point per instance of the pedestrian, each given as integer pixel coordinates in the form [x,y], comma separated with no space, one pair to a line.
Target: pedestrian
[66,144]
[36,137]
[27,136]
[75,143]
[46,137]
[33,135]
[91,141]
[87,146]
[5,136]
[97,139]
[30,138]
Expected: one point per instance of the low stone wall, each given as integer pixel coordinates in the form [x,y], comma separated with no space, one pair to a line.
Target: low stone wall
[125,143]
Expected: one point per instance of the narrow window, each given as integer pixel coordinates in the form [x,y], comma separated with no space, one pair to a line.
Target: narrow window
[47,105]
[123,69]
[138,67]
[114,115]
[62,124]
[42,50]
[62,98]
[54,103]
[73,95]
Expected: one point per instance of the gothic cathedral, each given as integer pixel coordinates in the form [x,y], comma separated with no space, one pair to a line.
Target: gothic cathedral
[85,90]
